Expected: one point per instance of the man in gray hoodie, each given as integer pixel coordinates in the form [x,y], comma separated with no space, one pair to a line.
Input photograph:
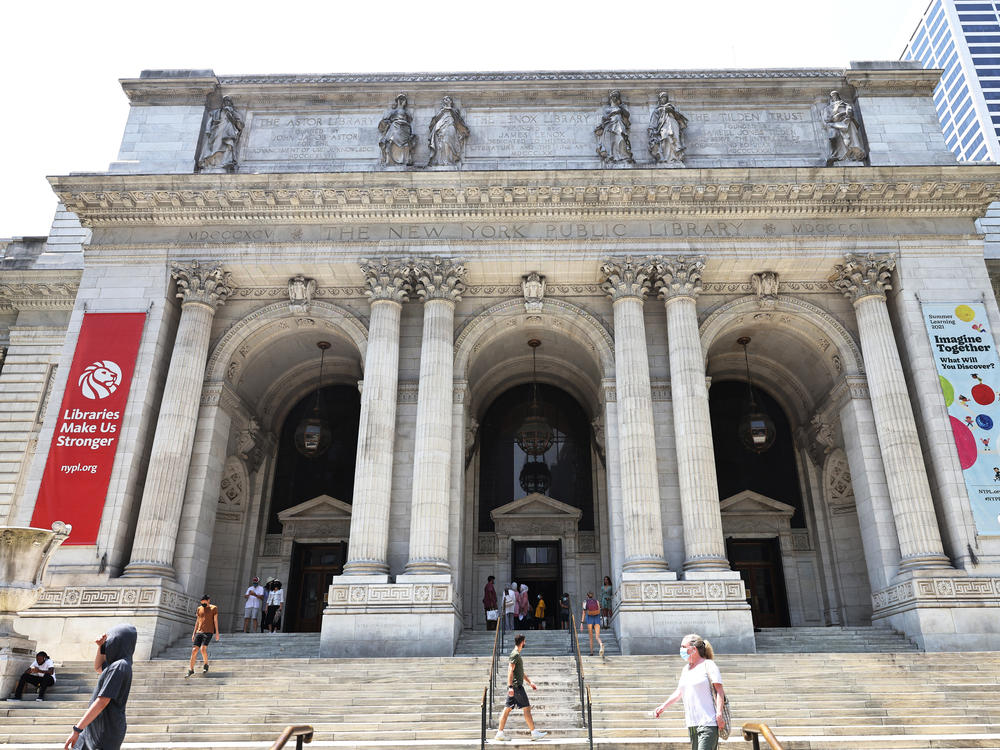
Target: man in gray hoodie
[103,725]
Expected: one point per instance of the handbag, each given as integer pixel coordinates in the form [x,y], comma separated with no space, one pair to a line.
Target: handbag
[727,715]
[492,614]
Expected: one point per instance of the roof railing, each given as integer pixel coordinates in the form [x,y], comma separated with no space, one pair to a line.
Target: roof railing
[753,731]
[302,733]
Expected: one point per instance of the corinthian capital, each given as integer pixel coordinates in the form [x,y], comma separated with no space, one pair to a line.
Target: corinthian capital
[207,285]
[386,279]
[439,279]
[679,277]
[626,277]
[864,275]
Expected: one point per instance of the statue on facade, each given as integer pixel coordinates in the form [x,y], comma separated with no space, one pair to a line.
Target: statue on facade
[765,287]
[222,134]
[533,288]
[612,134]
[300,294]
[843,130]
[666,133]
[398,141]
[448,134]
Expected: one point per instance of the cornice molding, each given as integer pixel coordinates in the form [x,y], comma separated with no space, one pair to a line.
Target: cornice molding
[195,199]
[55,293]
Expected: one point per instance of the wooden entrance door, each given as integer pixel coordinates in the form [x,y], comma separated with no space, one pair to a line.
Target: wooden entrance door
[313,569]
[759,564]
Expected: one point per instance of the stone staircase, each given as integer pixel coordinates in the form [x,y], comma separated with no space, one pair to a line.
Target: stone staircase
[539,643]
[839,640]
[821,701]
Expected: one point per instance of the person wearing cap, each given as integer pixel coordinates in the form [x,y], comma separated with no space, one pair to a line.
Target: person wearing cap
[206,625]
[275,603]
[254,597]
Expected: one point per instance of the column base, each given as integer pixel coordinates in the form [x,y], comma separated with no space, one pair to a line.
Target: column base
[416,616]
[706,564]
[365,567]
[654,615]
[427,567]
[148,570]
[944,612]
[916,563]
[646,565]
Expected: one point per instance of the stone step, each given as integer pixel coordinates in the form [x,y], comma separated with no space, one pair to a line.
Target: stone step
[832,639]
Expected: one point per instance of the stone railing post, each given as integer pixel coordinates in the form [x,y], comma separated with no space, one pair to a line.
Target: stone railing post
[627,282]
[389,286]
[439,284]
[202,290]
[864,280]
[679,283]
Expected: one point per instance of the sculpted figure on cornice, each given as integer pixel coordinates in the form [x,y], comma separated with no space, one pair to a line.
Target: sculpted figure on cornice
[612,133]
[448,134]
[666,133]
[398,141]
[300,293]
[222,135]
[533,289]
[439,278]
[387,279]
[765,287]
[843,130]
[206,285]
[864,276]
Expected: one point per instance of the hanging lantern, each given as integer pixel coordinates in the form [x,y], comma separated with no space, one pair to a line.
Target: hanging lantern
[756,428]
[313,435]
[535,477]
[535,435]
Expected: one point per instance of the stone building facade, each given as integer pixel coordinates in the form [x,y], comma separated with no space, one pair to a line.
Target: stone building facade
[428,237]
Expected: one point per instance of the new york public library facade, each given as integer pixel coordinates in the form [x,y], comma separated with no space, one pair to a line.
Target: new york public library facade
[536,290]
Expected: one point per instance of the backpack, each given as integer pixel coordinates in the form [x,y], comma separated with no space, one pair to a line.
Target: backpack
[593,608]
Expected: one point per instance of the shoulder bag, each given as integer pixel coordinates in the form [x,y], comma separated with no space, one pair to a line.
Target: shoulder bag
[727,715]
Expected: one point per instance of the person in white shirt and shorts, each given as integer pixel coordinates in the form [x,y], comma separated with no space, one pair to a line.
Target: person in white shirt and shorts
[703,711]
[254,601]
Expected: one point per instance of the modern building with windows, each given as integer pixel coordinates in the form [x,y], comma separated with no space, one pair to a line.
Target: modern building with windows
[382,336]
[962,38]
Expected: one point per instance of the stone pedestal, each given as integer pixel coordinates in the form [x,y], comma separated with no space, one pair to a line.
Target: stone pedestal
[366,616]
[16,655]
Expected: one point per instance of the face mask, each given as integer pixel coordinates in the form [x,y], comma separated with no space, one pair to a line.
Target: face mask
[684,654]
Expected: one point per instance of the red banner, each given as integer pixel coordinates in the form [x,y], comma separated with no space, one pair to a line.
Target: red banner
[82,454]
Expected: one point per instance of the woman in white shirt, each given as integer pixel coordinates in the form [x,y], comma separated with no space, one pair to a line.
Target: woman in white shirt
[702,712]
[275,603]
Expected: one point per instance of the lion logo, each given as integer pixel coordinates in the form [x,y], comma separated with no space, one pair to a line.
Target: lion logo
[100,379]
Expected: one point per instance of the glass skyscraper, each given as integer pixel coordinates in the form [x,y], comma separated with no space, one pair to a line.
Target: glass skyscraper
[963,39]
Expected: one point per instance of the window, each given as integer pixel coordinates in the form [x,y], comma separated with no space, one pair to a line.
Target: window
[988,72]
[986,61]
[980,154]
[984,38]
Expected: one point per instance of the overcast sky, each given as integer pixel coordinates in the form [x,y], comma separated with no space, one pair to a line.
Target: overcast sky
[64,110]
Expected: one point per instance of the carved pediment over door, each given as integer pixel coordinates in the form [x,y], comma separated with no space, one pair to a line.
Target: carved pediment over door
[750,513]
[321,519]
[536,515]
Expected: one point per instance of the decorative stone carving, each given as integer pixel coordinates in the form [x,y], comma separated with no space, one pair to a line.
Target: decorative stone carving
[222,135]
[679,277]
[232,491]
[300,294]
[533,288]
[386,279]
[627,278]
[666,133]
[765,288]
[248,445]
[864,276]
[448,134]
[439,278]
[823,439]
[843,130]
[24,555]
[398,141]
[612,133]
[206,285]
[837,481]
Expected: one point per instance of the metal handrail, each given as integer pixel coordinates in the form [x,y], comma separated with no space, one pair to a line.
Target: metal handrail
[487,718]
[751,732]
[590,721]
[575,645]
[482,727]
[302,733]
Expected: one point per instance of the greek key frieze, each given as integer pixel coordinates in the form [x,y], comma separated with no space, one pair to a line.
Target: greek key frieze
[113,597]
[938,592]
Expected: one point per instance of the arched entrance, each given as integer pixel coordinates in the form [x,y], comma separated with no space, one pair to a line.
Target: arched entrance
[294,521]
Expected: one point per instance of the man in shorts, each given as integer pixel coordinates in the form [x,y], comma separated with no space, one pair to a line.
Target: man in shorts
[516,696]
[206,625]
[254,597]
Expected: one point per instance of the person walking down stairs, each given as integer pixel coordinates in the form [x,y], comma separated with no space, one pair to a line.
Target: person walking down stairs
[700,687]
[516,695]
[103,726]
[206,624]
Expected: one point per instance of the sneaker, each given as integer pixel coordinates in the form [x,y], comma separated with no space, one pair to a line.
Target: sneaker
[602,649]
[204,668]
[190,672]
[537,734]
[500,737]
[39,699]
[12,699]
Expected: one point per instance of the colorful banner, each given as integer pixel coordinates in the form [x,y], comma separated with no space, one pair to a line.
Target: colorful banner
[82,453]
[969,371]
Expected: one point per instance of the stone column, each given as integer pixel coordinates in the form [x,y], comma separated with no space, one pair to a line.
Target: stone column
[202,290]
[679,283]
[627,282]
[864,280]
[439,284]
[388,286]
